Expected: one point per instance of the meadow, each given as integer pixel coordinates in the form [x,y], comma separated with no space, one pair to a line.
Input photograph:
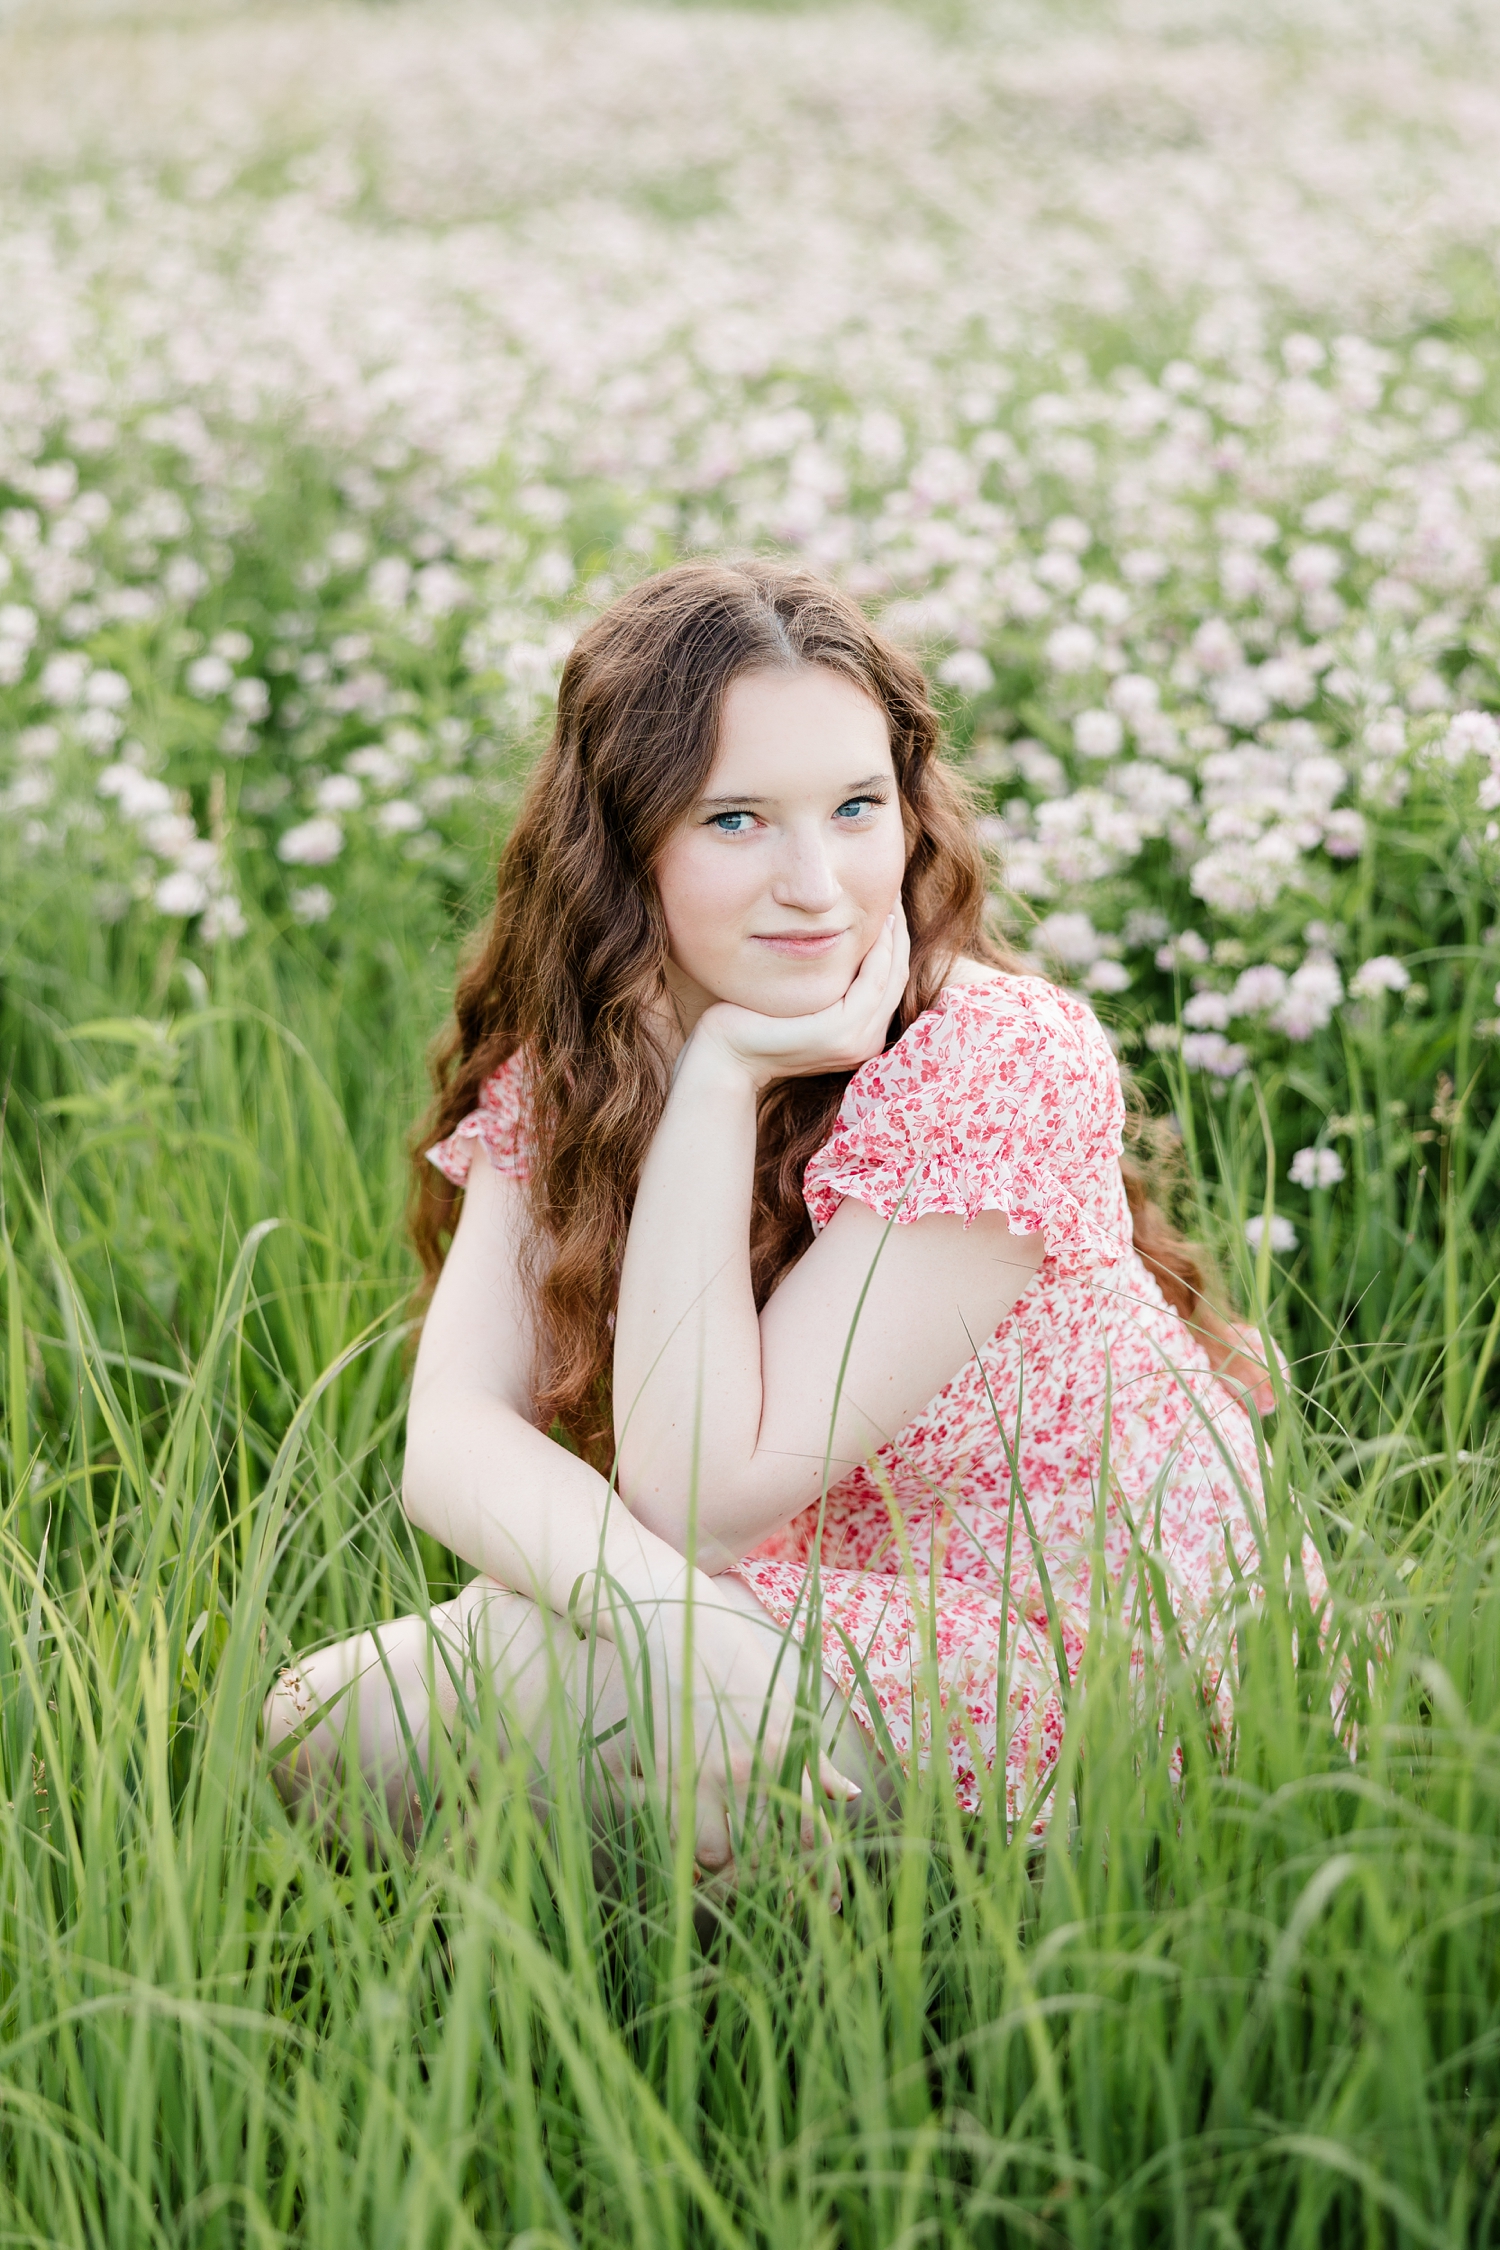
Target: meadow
[1139,365]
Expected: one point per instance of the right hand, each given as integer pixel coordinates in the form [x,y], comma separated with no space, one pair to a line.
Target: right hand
[840,1037]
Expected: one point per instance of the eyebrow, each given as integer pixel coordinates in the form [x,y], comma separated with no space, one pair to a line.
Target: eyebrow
[855,789]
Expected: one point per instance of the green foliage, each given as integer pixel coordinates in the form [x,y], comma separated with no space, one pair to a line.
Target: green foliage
[1251,2001]
[1254,2003]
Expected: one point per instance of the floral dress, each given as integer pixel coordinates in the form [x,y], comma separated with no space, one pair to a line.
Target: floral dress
[1088,1422]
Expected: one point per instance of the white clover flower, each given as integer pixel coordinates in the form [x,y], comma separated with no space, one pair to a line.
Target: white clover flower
[170,834]
[100,730]
[967,670]
[1381,973]
[1072,648]
[1316,1168]
[1108,976]
[339,793]
[232,643]
[1241,877]
[1239,700]
[1244,577]
[1257,989]
[1283,1233]
[1301,354]
[1134,696]
[1037,765]
[140,795]
[1027,872]
[1299,1017]
[1287,681]
[1060,571]
[313,843]
[1144,566]
[63,678]
[1312,994]
[1471,734]
[207,677]
[347,550]
[1191,947]
[251,698]
[106,691]
[1344,833]
[1215,647]
[1208,1011]
[28,792]
[1070,939]
[198,854]
[1152,794]
[389,582]
[1108,605]
[440,589]
[1313,569]
[224,917]
[1070,533]
[1097,734]
[398,817]
[312,903]
[383,768]
[184,579]
[1211,1051]
[181,893]
[18,623]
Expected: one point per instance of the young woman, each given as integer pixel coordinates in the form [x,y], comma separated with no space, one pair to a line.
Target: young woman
[788,1196]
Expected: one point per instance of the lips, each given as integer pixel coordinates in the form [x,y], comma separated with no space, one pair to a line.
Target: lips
[794,946]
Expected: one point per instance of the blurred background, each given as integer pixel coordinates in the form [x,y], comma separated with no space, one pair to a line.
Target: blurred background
[1139,365]
[1136,363]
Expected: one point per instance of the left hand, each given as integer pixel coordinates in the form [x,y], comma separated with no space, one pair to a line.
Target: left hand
[842,1037]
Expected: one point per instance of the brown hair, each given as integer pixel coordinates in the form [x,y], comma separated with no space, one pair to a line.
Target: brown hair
[574,955]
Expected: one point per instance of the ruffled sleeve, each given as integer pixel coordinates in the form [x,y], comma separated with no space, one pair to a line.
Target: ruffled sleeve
[501,1122]
[1004,1097]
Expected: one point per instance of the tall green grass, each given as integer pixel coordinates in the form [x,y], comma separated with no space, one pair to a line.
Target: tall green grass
[1255,2002]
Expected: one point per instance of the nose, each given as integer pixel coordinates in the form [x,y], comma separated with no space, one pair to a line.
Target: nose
[804,875]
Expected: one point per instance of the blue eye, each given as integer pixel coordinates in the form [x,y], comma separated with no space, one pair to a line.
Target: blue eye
[859,806]
[725,822]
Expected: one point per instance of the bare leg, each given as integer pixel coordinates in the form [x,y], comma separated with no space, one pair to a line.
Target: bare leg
[387,1689]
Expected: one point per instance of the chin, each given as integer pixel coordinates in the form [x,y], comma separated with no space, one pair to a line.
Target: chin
[803,992]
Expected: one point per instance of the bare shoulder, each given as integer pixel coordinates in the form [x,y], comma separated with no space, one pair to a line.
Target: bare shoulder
[964,972]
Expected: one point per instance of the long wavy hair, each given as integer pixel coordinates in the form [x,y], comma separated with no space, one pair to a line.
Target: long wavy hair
[571,966]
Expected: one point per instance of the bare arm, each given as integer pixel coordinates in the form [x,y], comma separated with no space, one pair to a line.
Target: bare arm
[745,1411]
[480,1476]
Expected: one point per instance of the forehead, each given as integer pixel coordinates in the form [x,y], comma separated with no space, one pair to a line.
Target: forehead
[807,726]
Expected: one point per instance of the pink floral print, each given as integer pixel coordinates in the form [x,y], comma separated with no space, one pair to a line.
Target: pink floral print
[1092,1402]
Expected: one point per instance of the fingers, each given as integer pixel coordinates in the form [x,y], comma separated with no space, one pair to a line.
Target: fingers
[817,1841]
[835,1784]
[879,982]
[898,962]
[713,1846]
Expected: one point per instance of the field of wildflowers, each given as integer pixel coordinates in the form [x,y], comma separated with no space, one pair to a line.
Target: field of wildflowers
[1140,365]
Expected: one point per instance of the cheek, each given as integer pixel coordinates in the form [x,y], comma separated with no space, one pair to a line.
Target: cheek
[703,895]
[874,874]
